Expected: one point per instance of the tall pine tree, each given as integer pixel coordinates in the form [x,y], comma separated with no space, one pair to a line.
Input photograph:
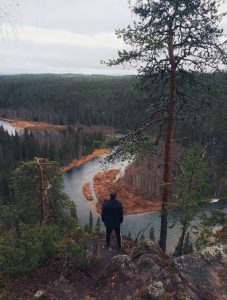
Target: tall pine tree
[172,40]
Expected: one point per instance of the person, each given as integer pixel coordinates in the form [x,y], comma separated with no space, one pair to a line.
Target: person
[112,216]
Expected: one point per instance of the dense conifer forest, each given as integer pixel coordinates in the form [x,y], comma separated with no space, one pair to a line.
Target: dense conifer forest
[70,99]
[73,100]
[64,146]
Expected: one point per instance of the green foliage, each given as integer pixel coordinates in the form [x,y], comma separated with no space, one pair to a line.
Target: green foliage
[72,100]
[75,255]
[90,221]
[128,148]
[190,190]
[98,225]
[25,248]
[171,41]
[26,187]
[86,228]
[64,146]
[25,242]
[187,247]
[208,221]
[216,217]
[190,184]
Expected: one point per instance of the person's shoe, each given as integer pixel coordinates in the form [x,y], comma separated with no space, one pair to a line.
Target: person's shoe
[107,248]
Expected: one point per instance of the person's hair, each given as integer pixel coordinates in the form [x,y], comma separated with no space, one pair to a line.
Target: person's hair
[113,193]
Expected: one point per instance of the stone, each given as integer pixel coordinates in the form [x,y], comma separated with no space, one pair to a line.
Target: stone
[198,268]
[145,263]
[123,262]
[40,295]
[213,253]
[155,289]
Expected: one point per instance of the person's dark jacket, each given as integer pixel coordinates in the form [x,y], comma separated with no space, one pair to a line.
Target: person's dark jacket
[112,213]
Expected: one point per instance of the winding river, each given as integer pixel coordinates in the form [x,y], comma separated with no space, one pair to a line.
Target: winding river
[135,223]
[8,127]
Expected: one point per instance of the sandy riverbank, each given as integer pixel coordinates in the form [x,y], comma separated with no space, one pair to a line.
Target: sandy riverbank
[96,153]
[31,124]
[133,202]
[87,191]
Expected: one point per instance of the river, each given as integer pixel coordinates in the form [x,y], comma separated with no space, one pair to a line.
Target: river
[8,127]
[135,223]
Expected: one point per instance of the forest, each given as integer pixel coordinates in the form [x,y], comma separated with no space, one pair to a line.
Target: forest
[168,125]
[71,99]
[62,146]
[102,100]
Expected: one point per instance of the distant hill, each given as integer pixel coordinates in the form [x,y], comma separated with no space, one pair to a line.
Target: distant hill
[71,99]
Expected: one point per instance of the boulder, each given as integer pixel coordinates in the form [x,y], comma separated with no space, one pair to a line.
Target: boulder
[199,268]
[123,262]
[213,253]
[145,263]
[40,295]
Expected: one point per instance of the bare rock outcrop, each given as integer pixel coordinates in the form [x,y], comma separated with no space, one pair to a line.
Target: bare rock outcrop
[205,271]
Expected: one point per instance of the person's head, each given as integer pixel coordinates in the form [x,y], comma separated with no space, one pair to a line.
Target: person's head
[113,194]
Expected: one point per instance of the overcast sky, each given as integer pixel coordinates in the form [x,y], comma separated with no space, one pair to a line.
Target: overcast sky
[56,36]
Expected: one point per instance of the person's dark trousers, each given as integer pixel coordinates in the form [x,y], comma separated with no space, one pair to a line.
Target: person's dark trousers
[108,234]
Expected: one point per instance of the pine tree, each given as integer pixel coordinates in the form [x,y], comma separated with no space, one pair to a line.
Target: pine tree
[40,201]
[142,237]
[188,247]
[90,221]
[189,188]
[86,228]
[98,225]
[172,41]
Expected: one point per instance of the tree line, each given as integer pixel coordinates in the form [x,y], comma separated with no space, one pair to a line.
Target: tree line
[63,146]
[69,100]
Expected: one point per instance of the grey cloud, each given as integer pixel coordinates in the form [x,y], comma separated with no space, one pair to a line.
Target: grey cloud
[33,58]
[85,17]
[80,16]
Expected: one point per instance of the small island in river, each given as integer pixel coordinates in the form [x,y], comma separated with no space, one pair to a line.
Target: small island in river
[133,201]
[87,191]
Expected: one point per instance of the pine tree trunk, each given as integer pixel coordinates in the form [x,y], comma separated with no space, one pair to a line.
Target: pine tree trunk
[181,240]
[168,164]
[43,191]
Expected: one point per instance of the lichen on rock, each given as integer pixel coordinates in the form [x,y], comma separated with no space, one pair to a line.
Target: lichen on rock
[155,289]
[213,253]
[199,268]
[145,263]
[123,262]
